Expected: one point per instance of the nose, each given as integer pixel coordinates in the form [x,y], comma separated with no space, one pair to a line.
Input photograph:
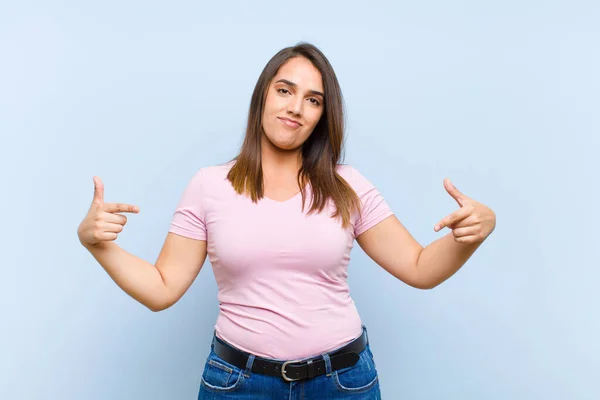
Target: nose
[294,105]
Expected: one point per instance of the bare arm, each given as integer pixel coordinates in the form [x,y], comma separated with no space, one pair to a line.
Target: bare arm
[391,246]
[442,258]
[394,249]
[155,286]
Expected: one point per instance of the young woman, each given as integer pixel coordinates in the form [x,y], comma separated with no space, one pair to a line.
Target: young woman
[278,223]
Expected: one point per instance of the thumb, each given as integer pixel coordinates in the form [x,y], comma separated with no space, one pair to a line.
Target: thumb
[98,191]
[454,192]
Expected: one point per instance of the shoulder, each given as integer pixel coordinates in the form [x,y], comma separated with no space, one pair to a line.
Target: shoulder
[346,171]
[212,174]
[216,172]
[354,178]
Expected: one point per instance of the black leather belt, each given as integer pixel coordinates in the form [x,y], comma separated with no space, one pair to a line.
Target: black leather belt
[291,371]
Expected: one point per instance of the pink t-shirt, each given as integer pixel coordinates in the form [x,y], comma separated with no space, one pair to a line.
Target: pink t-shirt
[281,274]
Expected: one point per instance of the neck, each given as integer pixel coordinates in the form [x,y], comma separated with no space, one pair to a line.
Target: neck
[277,161]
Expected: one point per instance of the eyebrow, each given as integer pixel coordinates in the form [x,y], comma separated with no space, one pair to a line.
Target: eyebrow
[292,84]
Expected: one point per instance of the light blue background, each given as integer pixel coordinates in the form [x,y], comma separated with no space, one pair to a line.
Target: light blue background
[501,97]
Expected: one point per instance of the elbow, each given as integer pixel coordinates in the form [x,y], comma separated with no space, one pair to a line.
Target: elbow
[423,282]
[420,283]
[157,307]
[160,301]
[430,283]
[420,279]
[425,285]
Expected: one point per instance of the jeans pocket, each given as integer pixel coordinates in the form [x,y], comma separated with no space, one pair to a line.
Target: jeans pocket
[220,376]
[358,378]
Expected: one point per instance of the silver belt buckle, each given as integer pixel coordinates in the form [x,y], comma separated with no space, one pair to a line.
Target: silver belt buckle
[285,364]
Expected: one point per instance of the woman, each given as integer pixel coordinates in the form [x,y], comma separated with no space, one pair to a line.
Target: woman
[278,223]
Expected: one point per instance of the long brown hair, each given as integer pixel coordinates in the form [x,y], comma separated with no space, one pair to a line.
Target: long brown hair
[321,152]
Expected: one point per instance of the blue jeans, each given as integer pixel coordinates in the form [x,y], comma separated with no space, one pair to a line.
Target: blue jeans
[221,380]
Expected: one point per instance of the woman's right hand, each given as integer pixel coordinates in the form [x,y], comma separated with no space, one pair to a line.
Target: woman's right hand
[102,222]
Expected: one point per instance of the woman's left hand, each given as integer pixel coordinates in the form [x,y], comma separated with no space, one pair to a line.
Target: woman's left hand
[472,223]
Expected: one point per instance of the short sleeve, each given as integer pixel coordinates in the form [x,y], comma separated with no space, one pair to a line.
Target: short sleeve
[188,218]
[374,207]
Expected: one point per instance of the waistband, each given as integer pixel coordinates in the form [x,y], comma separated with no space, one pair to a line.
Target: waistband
[293,370]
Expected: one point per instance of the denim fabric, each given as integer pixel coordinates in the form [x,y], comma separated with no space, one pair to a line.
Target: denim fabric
[221,380]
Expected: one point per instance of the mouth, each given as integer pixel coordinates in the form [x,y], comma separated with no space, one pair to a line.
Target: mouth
[290,122]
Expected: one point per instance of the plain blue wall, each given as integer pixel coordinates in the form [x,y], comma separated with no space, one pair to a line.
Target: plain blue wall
[502,98]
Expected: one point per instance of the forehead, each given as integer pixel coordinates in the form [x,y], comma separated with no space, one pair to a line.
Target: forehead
[302,72]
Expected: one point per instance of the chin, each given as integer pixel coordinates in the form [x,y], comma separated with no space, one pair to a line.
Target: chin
[285,145]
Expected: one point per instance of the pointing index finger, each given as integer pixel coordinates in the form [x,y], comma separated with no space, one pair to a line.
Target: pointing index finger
[453,218]
[120,207]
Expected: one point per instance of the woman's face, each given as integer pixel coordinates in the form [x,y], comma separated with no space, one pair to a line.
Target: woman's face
[294,104]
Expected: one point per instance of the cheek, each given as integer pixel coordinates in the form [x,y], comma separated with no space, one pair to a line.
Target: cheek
[270,106]
[274,104]
[268,114]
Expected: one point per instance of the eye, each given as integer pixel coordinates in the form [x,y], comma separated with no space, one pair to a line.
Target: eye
[282,90]
[314,101]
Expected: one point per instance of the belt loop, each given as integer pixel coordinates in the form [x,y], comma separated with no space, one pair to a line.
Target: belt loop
[249,364]
[310,371]
[366,333]
[327,363]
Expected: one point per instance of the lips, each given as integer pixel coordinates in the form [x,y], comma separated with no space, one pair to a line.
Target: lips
[290,123]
